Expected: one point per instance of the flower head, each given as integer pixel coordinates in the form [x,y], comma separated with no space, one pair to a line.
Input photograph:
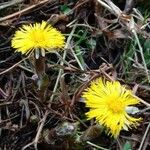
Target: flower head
[37,36]
[107,102]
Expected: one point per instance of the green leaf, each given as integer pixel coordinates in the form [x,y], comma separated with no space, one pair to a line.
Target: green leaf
[147,52]
[127,146]
[147,44]
[65,9]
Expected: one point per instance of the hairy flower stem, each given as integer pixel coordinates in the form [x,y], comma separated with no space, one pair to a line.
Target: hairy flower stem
[43,79]
[40,66]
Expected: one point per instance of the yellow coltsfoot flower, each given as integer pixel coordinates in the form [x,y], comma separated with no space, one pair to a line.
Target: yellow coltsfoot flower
[107,102]
[38,37]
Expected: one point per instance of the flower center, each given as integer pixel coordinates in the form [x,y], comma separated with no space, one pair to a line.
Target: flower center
[38,38]
[115,105]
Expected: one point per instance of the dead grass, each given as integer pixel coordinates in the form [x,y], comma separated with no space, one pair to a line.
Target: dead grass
[103,38]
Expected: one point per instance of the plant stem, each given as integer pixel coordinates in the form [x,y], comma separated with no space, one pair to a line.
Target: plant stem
[40,66]
[43,80]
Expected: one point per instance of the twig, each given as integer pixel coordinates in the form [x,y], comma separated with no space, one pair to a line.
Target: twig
[144,110]
[105,5]
[142,101]
[77,6]
[111,7]
[40,129]
[62,62]
[142,55]
[144,137]
[119,144]
[5,103]
[96,146]
[25,68]
[28,145]
[77,59]
[129,5]
[131,26]
[8,4]
[114,8]
[12,67]
[3,94]
[35,142]
[19,13]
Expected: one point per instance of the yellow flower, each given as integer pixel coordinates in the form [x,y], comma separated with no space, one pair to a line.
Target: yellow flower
[37,36]
[107,102]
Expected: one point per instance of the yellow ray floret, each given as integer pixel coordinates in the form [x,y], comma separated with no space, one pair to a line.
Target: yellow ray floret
[107,102]
[37,36]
